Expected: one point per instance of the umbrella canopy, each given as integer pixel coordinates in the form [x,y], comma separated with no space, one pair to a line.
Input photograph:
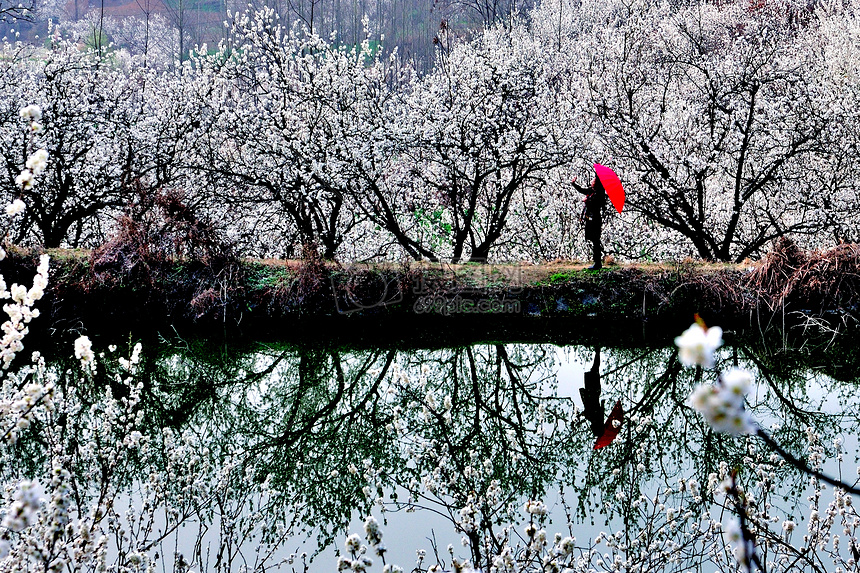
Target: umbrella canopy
[610,430]
[612,184]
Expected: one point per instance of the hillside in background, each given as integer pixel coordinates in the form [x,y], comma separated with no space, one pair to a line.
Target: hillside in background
[410,26]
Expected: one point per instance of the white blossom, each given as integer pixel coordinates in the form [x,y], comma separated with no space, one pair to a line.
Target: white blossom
[25,180]
[84,352]
[696,345]
[32,112]
[36,163]
[723,409]
[535,507]
[15,207]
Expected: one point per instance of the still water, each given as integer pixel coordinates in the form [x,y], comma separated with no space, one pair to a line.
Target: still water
[257,455]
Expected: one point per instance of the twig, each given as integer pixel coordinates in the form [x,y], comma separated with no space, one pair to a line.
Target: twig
[802,466]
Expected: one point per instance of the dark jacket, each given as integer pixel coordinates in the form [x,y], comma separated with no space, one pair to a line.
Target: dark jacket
[592,212]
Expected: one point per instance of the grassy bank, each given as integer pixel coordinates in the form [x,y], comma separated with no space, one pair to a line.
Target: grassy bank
[294,298]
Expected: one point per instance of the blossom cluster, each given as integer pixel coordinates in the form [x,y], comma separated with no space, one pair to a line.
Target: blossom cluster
[33,114]
[26,503]
[535,507]
[36,162]
[19,408]
[84,353]
[20,311]
[357,559]
[721,404]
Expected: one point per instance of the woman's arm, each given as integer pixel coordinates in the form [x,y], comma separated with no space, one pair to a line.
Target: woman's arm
[583,190]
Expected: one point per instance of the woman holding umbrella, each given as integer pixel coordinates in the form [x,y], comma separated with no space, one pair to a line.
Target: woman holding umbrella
[592,216]
[595,201]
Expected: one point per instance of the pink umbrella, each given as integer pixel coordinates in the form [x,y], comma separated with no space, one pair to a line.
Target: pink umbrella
[612,184]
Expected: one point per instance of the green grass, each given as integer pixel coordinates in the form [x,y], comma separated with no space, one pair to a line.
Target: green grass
[262,276]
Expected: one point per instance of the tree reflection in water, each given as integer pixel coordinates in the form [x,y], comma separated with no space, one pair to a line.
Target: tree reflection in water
[469,433]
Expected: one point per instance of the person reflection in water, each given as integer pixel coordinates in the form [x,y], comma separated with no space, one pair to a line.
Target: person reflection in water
[592,407]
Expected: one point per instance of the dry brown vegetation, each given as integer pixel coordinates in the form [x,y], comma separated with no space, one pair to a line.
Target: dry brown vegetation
[818,281]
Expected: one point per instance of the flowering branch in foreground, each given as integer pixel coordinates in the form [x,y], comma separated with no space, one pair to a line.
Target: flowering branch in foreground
[722,406]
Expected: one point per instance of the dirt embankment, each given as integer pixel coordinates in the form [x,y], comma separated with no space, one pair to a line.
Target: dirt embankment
[279,297]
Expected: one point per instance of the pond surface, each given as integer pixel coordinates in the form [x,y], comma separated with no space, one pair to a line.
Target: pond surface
[253,456]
